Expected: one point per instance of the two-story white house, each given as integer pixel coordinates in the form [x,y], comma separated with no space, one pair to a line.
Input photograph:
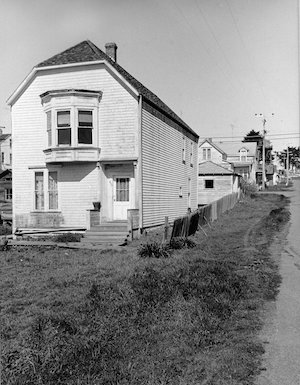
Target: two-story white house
[85,131]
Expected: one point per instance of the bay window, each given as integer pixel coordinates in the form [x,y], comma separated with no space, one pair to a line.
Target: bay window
[71,120]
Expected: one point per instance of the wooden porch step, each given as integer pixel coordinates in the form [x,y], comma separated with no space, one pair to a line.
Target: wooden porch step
[109,232]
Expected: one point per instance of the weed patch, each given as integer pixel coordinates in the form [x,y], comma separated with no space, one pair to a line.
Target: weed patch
[122,318]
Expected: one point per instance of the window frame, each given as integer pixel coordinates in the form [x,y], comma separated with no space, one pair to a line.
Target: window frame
[206,153]
[46,190]
[67,127]
[243,154]
[90,128]
[8,193]
[206,184]
[183,150]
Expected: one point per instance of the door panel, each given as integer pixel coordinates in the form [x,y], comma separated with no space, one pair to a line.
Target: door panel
[121,197]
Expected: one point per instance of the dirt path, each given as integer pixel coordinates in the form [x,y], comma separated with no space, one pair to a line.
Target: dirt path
[282,329]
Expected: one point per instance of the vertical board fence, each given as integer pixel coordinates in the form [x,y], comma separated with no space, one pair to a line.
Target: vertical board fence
[188,225]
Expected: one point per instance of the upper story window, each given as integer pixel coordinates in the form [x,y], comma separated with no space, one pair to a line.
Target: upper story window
[85,127]
[243,155]
[183,149]
[71,117]
[192,155]
[206,153]
[63,128]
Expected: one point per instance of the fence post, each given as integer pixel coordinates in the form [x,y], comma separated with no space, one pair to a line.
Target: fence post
[166,229]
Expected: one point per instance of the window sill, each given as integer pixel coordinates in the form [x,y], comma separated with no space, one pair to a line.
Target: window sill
[82,153]
[45,211]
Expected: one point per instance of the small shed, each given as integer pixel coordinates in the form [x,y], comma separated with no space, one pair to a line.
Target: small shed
[215,182]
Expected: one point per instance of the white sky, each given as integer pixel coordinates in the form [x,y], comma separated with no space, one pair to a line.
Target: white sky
[214,62]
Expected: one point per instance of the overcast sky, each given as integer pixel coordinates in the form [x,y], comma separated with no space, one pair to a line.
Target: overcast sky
[216,63]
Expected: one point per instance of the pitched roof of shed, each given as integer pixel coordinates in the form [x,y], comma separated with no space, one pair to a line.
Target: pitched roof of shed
[86,51]
[211,168]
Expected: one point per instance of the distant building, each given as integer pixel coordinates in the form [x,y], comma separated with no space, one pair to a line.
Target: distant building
[5,151]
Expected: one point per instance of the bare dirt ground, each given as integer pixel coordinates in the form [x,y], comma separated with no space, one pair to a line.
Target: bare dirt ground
[281,332]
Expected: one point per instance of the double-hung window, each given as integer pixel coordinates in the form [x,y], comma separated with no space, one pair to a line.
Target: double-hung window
[85,127]
[39,200]
[206,153]
[64,127]
[49,128]
[45,190]
[243,155]
[8,194]
[183,149]
[52,190]
[192,155]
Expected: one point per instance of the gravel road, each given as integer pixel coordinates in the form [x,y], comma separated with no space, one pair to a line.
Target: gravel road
[282,328]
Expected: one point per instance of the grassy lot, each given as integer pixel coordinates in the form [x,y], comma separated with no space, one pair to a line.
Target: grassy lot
[111,317]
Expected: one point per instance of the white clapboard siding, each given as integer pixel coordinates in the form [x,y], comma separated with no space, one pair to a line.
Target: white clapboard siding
[163,172]
[223,185]
[118,121]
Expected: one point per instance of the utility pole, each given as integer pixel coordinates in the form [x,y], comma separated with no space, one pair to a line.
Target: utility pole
[263,176]
[263,155]
[287,166]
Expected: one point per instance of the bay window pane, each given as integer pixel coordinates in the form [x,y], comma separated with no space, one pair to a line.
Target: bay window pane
[85,136]
[85,126]
[85,118]
[63,119]
[64,136]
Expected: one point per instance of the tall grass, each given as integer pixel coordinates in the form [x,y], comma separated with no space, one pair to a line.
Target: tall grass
[189,319]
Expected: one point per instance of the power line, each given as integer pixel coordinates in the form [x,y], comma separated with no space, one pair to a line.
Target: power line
[246,50]
[294,134]
[218,43]
[215,62]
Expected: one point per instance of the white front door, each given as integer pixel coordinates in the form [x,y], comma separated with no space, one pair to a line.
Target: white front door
[121,197]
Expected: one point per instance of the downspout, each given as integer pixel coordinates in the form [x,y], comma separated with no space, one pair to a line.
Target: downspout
[140,160]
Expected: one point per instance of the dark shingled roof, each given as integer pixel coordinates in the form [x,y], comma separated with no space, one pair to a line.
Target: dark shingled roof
[87,51]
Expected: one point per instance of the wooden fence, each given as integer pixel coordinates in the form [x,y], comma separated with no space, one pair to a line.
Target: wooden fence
[189,224]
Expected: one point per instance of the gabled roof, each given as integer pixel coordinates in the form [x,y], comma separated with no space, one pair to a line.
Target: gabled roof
[86,51]
[4,137]
[4,173]
[211,168]
[212,144]
[233,148]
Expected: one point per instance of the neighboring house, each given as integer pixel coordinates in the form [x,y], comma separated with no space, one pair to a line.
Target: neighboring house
[215,181]
[5,151]
[243,157]
[5,195]
[84,130]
